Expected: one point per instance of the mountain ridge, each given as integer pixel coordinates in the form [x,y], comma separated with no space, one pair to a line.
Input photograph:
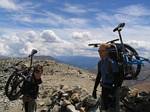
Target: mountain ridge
[84,62]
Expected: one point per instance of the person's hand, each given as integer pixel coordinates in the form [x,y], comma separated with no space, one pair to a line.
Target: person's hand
[94,94]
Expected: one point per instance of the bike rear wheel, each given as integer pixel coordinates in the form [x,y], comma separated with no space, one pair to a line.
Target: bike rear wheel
[131,71]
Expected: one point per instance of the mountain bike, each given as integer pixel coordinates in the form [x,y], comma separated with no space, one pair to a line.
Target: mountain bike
[125,54]
[19,73]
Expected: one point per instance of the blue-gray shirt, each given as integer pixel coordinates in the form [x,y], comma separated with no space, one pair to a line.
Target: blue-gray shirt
[107,68]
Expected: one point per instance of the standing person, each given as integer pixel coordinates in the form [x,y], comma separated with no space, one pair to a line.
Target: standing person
[107,72]
[31,89]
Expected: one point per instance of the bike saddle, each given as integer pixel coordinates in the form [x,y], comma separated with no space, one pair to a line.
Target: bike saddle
[34,51]
[119,27]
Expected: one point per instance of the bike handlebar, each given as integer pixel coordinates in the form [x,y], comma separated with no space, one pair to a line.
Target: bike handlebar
[13,67]
[94,44]
[98,44]
[112,41]
[18,63]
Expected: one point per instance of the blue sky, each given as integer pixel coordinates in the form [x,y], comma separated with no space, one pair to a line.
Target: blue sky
[65,27]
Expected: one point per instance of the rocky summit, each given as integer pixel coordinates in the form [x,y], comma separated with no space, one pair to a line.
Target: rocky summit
[55,74]
[68,89]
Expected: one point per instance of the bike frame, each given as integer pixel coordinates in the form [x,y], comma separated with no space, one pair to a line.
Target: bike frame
[31,56]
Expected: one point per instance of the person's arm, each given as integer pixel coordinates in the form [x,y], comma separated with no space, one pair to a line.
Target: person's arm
[97,81]
[37,77]
[38,81]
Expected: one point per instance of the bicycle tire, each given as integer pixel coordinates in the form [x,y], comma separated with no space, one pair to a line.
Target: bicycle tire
[138,69]
[13,93]
[128,48]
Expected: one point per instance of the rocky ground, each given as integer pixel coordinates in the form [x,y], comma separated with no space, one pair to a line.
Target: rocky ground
[55,76]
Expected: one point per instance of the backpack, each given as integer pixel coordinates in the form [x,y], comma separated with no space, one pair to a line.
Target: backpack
[115,55]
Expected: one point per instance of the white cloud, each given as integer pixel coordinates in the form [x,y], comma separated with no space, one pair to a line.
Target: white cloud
[26,13]
[76,22]
[9,4]
[48,48]
[49,36]
[112,19]
[142,47]
[22,18]
[73,33]
[29,36]
[10,45]
[51,19]
[40,46]
[81,36]
[46,42]
[78,9]
[134,10]
[71,41]
[3,49]
[131,14]
[74,9]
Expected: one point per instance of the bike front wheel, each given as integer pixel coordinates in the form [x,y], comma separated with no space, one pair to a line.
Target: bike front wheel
[13,87]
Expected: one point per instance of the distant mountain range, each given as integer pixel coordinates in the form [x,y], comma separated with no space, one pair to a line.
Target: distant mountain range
[41,57]
[83,62]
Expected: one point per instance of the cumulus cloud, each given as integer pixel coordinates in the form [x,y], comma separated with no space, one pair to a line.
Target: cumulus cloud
[46,42]
[69,42]
[3,49]
[29,36]
[81,36]
[41,47]
[49,36]
[10,45]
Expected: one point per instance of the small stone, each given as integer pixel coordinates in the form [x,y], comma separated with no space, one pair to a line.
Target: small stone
[66,102]
[79,71]
[82,109]
[75,97]
[133,92]
[41,103]
[71,108]
[65,87]
[56,108]
[43,110]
